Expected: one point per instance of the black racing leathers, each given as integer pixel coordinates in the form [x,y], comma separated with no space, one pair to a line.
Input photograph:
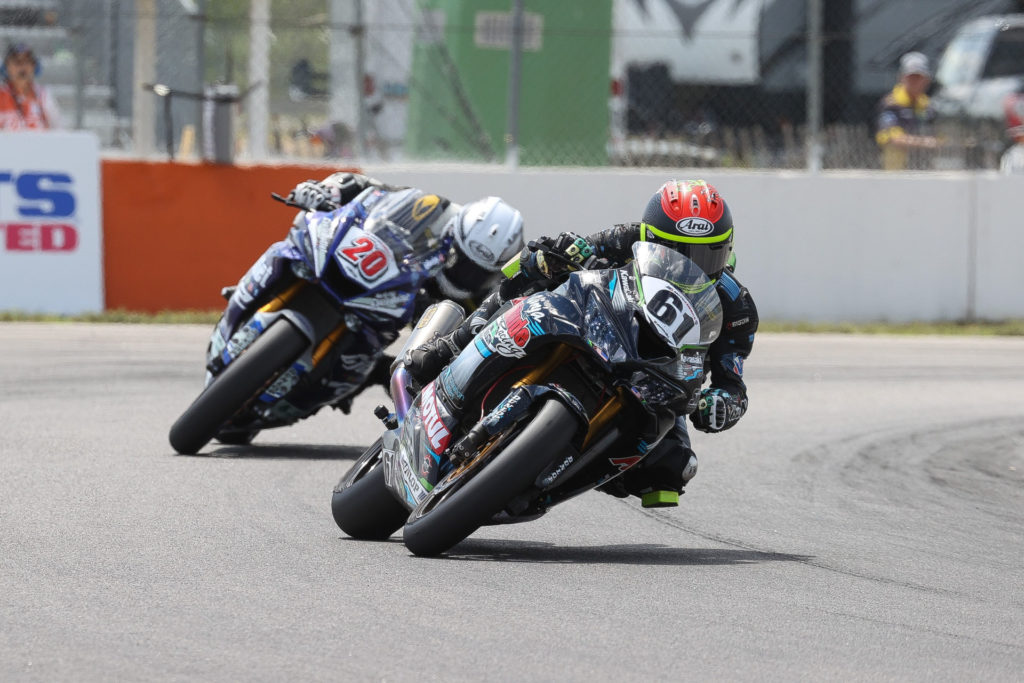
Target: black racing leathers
[726,356]
[673,463]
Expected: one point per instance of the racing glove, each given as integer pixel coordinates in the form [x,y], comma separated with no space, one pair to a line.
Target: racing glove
[569,252]
[345,186]
[314,196]
[717,410]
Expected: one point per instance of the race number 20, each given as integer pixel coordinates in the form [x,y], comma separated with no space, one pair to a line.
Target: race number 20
[363,252]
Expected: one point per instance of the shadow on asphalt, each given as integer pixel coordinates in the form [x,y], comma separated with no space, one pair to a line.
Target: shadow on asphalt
[265,451]
[484,550]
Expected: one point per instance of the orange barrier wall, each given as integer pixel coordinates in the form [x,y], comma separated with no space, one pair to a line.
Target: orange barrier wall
[174,234]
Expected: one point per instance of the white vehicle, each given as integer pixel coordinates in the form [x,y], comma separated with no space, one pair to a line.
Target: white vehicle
[983,63]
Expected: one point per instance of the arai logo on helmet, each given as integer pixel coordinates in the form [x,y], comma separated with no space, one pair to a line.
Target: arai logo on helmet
[480,250]
[695,226]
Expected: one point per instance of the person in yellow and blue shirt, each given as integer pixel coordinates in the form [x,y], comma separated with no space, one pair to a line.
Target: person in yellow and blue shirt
[906,120]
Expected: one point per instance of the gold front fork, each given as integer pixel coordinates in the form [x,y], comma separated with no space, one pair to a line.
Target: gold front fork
[328,343]
[539,373]
[282,299]
[604,416]
[609,411]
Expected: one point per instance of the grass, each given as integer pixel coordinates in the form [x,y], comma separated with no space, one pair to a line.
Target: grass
[988,328]
[985,328]
[116,316]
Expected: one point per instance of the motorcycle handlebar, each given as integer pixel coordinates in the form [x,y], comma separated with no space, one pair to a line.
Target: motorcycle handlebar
[592,263]
[288,202]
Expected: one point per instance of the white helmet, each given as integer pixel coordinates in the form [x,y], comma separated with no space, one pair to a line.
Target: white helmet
[487,233]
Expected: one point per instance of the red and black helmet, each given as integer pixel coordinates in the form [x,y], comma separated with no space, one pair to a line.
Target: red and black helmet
[692,218]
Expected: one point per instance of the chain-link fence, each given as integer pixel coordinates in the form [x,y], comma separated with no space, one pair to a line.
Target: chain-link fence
[685,83]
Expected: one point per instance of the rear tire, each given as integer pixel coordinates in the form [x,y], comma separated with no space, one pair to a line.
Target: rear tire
[258,366]
[363,505]
[451,513]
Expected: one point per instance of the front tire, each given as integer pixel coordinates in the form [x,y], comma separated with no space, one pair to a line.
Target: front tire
[452,512]
[362,504]
[242,380]
[235,437]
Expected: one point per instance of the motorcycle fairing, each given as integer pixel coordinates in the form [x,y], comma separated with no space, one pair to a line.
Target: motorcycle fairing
[607,329]
[376,268]
[413,454]
[372,272]
[268,270]
[384,297]
[517,328]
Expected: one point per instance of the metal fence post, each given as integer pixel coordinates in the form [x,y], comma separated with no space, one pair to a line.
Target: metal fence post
[143,106]
[815,95]
[259,72]
[514,76]
[345,91]
[359,36]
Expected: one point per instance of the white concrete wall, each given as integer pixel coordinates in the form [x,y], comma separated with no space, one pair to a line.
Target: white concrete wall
[1000,248]
[832,247]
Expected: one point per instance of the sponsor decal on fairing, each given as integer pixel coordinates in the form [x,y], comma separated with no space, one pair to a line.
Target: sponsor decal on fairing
[510,333]
[625,463]
[412,482]
[283,384]
[390,302]
[424,206]
[437,433]
[245,336]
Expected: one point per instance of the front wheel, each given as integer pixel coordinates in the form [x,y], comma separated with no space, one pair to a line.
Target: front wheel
[237,437]
[458,507]
[362,504]
[242,380]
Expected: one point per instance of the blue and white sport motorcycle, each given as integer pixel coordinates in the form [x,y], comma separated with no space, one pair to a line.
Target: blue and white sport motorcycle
[307,323]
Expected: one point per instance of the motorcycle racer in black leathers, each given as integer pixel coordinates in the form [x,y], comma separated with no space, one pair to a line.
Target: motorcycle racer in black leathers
[691,217]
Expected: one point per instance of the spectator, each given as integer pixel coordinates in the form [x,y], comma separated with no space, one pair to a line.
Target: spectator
[906,119]
[24,104]
[1012,162]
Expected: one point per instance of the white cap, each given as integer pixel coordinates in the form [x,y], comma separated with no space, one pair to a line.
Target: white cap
[914,63]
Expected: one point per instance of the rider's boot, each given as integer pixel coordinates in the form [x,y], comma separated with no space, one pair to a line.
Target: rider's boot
[666,487]
[425,362]
[659,479]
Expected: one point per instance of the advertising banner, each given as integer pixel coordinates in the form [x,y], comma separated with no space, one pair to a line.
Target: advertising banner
[51,238]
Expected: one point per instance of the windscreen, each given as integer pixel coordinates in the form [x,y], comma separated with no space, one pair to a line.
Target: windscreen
[408,221]
[678,299]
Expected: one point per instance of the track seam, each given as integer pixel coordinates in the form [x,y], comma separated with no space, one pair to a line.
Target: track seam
[825,567]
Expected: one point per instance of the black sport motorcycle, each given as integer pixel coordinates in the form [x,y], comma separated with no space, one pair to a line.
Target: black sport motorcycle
[559,393]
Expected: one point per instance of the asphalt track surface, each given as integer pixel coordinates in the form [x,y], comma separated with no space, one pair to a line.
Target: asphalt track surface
[865,521]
